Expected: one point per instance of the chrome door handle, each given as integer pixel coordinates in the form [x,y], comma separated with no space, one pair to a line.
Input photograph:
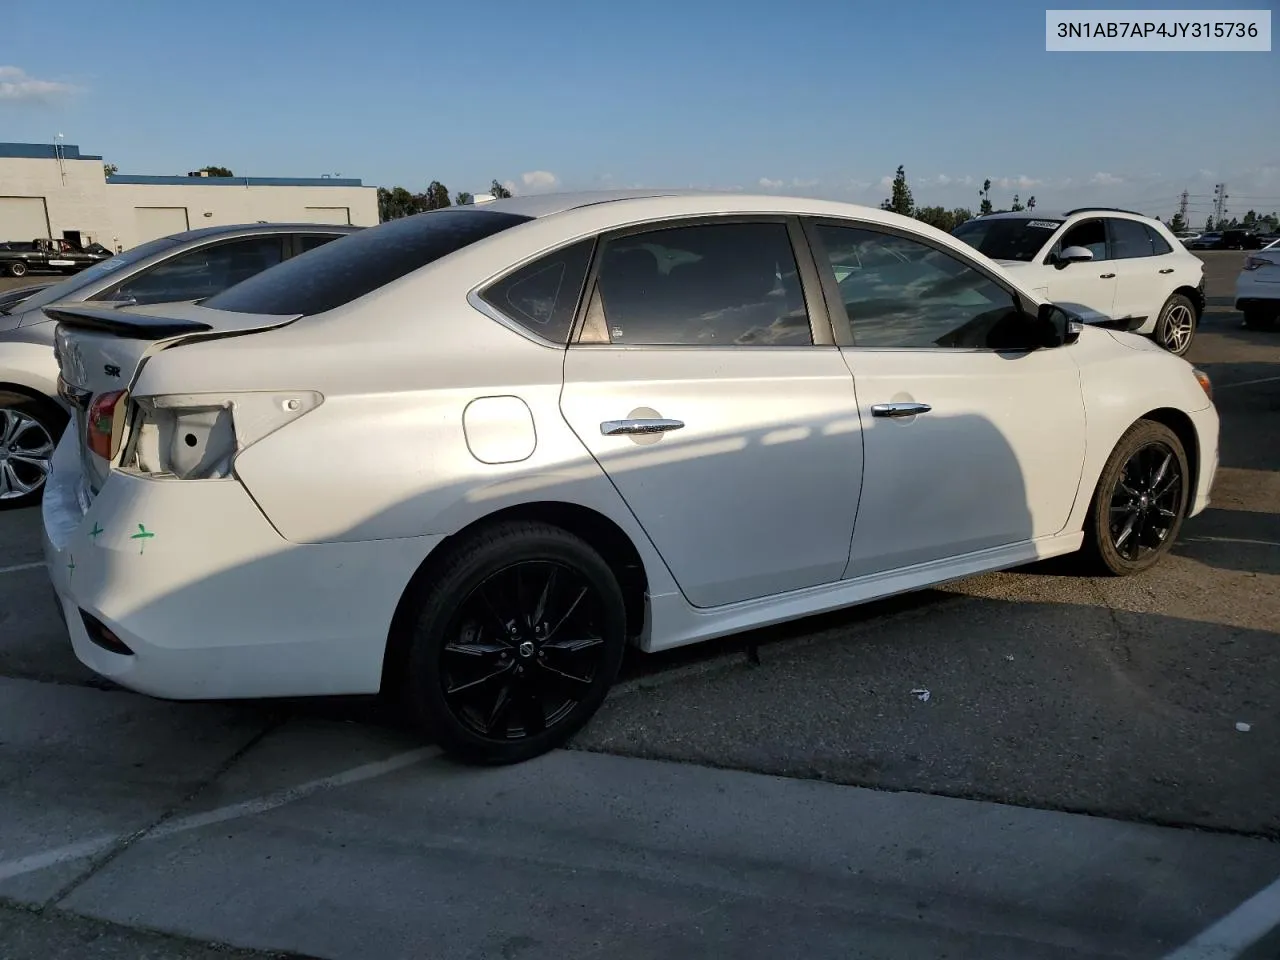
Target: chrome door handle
[899,409]
[1105,276]
[614,428]
[1167,270]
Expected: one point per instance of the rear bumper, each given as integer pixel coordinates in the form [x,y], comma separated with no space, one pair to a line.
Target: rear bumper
[208,599]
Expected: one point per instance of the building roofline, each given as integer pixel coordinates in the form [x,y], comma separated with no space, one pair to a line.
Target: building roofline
[43,151]
[134,178]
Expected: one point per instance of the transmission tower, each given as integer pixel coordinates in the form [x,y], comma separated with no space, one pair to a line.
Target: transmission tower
[1219,203]
[1182,207]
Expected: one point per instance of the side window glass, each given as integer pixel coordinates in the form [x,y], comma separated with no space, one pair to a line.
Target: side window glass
[899,293]
[310,241]
[1159,245]
[1130,239]
[1090,234]
[731,284]
[199,273]
[543,296]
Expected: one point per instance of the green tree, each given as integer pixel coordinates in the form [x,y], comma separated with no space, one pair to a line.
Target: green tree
[216,171]
[436,197]
[1208,223]
[109,169]
[498,191]
[961,215]
[396,202]
[1250,220]
[985,193]
[1017,204]
[901,201]
[1177,224]
[1031,203]
[462,198]
[939,217]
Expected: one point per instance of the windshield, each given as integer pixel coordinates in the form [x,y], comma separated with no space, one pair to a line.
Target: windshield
[1011,238]
[67,287]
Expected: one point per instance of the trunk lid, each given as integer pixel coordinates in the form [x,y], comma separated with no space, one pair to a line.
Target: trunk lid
[101,348]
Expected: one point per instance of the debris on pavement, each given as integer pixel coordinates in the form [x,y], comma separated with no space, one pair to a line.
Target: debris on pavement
[1243,727]
[921,694]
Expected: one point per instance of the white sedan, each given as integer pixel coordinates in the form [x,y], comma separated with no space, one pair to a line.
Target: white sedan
[1258,288]
[468,456]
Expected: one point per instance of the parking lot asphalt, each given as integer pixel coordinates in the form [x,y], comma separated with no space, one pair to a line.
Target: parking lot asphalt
[1093,773]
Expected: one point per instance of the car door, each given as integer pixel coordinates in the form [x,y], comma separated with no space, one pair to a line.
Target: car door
[1139,280]
[199,273]
[706,383]
[1086,288]
[970,440]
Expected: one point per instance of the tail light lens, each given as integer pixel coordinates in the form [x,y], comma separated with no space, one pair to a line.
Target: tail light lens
[1253,263]
[105,423]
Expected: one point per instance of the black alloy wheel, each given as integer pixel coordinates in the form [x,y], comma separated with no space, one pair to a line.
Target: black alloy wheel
[1140,502]
[516,643]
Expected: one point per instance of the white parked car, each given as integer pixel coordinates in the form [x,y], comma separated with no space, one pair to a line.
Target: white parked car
[470,455]
[1258,288]
[1107,266]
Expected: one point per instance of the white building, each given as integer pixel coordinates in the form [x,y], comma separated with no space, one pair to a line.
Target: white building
[55,191]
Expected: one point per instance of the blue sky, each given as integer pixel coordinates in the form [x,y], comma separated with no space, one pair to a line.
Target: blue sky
[823,98]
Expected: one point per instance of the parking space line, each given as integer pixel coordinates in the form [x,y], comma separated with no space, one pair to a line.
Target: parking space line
[1236,932]
[1245,383]
[22,566]
[247,808]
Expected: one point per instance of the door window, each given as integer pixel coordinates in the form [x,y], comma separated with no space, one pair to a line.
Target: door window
[900,293]
[199,273]
[1090,234]
[728,284]
[1130,239]
[1159,245]
[543,296]
[312,240]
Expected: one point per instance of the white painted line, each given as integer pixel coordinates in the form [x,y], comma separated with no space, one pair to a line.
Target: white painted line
[248,808]
[1245,383]
[22,566]
[1238,930]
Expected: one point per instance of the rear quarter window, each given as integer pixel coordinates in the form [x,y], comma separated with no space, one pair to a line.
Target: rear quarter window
[359,263]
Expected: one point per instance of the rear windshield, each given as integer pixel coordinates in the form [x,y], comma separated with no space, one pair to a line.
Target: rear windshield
[360,263]
[99,270]
[1012,238]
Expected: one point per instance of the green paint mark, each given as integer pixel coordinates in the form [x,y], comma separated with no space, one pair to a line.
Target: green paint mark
[142,536]
[95,532]
[71,567]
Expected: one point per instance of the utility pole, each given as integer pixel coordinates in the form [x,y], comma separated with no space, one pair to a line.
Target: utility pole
[1219,205]
[1182,206]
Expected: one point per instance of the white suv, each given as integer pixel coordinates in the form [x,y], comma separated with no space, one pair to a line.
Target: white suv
[1110,267]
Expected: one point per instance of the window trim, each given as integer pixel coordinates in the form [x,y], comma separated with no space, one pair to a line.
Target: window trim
[820,329]
[840,315]
[475,296]
[282,238]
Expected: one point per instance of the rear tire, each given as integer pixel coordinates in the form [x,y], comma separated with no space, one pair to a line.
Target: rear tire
[1144,488]
[1176,328]
[515,642]
[29,430]
[17,269]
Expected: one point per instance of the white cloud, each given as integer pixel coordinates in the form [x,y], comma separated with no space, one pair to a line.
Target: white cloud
[540,179]
[1021,182]
[771,184]
[1105,179]
[510,185]
[886,182]
[17,86]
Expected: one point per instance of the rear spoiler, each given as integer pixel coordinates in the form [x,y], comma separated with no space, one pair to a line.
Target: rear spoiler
[119,323]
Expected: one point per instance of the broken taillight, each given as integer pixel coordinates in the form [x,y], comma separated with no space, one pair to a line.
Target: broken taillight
[105,420]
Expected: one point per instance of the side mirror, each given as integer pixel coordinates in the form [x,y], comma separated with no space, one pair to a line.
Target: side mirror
[1073,255]
[1059,327]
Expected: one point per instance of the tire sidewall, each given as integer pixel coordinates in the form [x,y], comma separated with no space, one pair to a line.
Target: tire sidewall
[1139,435]
[501,548]
[51,417]
[1176,300]
[17,269]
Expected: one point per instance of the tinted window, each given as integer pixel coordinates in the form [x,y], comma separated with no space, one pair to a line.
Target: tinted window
[361,262]
[1130,239]
[96,272]
[1159,245]
[311,241]
[1090,234]
[708,285]
[901,293]
[1007,238]
[199,273]
[543,296]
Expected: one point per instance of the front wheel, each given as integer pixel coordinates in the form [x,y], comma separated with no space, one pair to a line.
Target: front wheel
[29,430]
[17,269]
[1176,327]
[515,643]
[1140,501]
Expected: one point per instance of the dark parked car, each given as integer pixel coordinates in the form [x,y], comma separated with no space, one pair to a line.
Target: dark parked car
[20,257]
[186,266]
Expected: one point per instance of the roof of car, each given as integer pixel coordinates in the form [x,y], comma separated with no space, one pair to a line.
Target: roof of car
[546,204]
[202,233]
[1057,214]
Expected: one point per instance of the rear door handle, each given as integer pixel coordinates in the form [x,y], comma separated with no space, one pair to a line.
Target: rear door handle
[899,409]
[615,428]
[1167,270]
[1105,276]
